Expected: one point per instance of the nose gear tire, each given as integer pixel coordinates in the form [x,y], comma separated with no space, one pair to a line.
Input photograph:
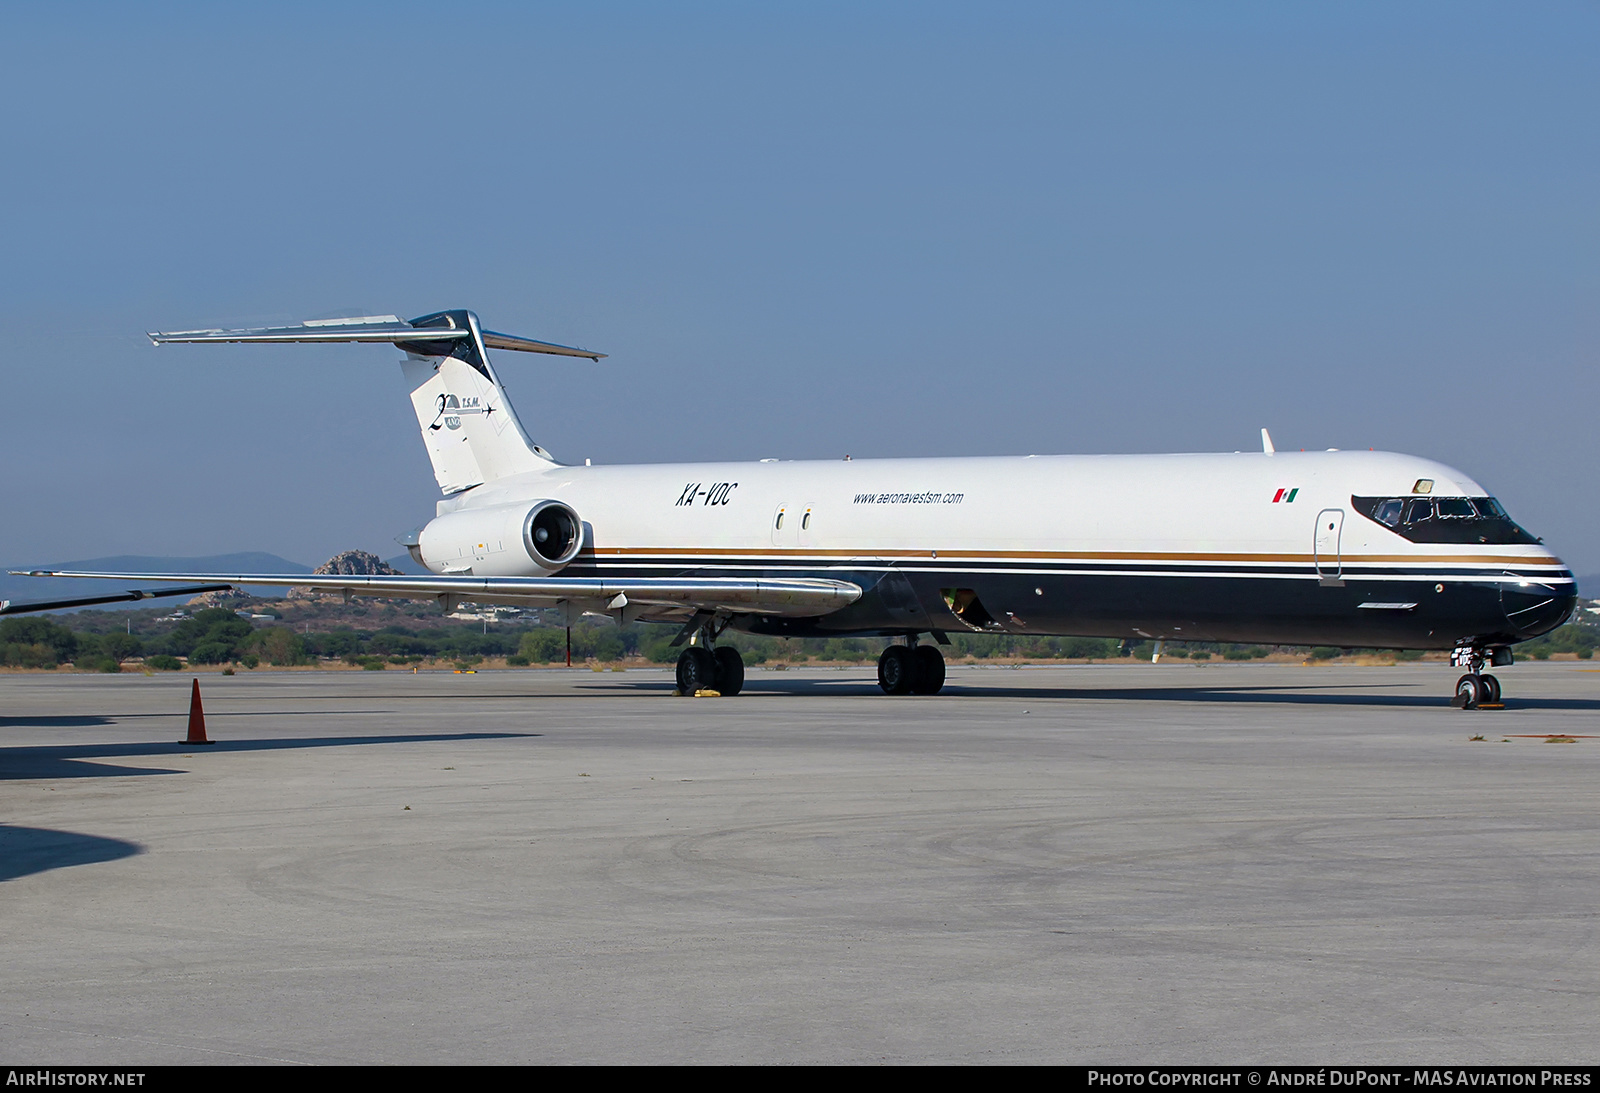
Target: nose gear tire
[1469,692]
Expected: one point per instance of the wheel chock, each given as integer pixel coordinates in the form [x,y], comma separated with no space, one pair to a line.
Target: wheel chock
[197,718]
[707,692]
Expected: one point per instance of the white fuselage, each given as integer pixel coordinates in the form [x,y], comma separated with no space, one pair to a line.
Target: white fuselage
[1186,543]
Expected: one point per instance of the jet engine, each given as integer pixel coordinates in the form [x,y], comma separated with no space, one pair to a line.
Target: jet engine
[518,540]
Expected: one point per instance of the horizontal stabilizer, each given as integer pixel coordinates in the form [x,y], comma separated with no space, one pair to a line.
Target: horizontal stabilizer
[369,328]
[737,595]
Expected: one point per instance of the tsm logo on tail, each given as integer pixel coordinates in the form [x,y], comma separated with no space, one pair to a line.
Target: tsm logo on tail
[450,408]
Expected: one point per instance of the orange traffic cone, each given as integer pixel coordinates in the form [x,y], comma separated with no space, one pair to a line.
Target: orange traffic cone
[197,718]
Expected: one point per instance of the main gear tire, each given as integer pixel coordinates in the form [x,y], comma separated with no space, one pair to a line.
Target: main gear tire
[927,670]
[697,671]
[895,668]
[730,670]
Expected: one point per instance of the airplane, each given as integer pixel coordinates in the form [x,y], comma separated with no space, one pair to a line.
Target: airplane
[1335,548]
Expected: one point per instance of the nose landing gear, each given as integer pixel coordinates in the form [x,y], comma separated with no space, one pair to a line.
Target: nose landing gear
[911,669]
[1476,690]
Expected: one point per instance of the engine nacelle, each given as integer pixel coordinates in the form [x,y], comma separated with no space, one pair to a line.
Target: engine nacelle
[503,540]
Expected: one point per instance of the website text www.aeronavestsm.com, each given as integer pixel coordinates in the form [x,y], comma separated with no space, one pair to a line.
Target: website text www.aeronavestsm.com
[930,498]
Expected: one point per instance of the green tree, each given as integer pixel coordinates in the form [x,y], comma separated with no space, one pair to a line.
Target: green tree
[213,627]
[120,646]
[543,646]
[282,646]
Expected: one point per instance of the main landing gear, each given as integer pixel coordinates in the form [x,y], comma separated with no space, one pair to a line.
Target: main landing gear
[1476,690]
[911,669]
[703,667]
[720,669]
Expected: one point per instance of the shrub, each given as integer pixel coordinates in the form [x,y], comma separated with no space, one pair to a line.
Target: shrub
[97,663]
[543,646]
[62,642]
[161,662]
[19,655]
[120,646]
[211,652]
[282,646]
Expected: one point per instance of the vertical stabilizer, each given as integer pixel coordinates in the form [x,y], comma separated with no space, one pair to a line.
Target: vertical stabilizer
[469,428]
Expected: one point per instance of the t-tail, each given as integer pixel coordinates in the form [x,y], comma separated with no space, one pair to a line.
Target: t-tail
[468,426]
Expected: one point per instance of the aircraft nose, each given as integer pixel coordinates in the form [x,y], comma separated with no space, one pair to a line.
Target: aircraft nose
[1533,607]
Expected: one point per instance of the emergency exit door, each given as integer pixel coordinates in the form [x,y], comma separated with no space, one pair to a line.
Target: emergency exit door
[1330,568]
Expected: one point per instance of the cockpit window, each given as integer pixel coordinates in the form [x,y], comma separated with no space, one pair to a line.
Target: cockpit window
[1443,519]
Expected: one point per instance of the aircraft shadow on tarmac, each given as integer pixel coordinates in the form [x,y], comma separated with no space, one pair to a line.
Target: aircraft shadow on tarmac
[73,760]
[50,721]
[25,850]
[75,721]
[1355,694]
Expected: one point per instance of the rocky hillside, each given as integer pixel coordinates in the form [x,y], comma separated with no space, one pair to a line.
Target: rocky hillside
[350,563]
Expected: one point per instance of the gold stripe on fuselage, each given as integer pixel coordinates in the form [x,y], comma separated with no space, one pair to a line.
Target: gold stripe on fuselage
[1073,555]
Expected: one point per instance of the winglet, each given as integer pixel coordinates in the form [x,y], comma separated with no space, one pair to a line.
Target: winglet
[1266,442]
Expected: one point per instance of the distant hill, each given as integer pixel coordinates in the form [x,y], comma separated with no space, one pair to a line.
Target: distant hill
[404,564]
[51,588]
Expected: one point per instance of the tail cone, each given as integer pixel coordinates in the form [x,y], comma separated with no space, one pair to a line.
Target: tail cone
[197,718]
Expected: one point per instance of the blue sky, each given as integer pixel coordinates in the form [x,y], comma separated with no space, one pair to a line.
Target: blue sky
[799,230]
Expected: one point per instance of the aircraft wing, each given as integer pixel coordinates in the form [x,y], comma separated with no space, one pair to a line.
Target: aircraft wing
[729,595]
[10,607]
